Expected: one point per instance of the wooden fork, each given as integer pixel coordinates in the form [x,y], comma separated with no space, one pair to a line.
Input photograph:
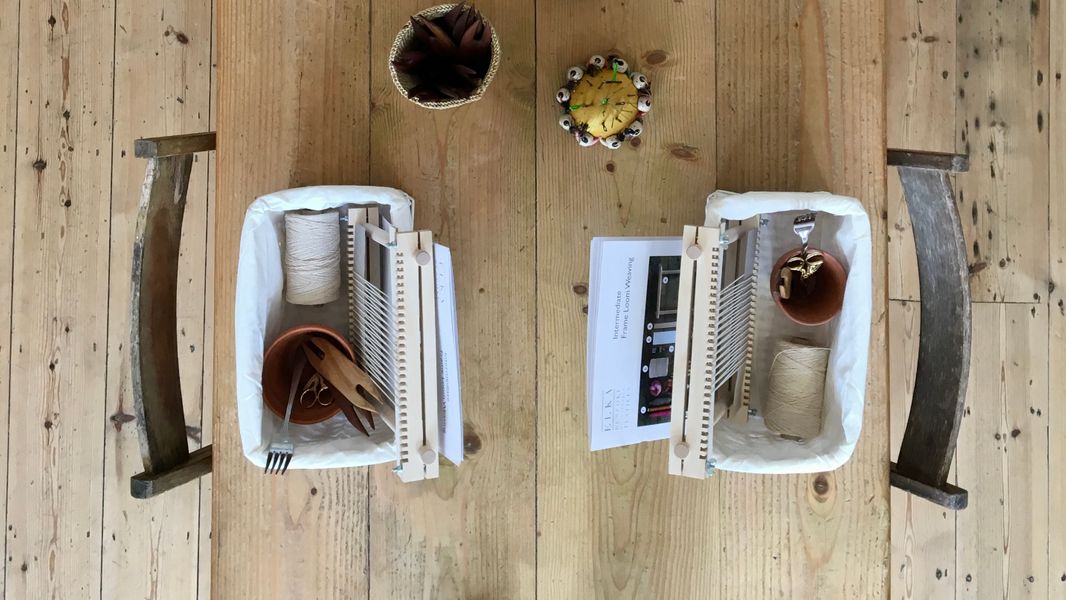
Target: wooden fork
[349,380]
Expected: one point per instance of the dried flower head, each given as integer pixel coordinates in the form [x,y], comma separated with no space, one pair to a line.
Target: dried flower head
[448,56]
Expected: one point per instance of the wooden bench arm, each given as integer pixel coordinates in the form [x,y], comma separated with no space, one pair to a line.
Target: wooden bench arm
[939,395]
[153,320]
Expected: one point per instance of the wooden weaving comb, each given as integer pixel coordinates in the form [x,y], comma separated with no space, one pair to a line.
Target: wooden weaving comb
[347,378]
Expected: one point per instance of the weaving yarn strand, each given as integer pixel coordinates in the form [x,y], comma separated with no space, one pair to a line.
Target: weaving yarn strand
[797,390]
[312,257]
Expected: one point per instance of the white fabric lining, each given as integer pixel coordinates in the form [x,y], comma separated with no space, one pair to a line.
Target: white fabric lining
[843,230]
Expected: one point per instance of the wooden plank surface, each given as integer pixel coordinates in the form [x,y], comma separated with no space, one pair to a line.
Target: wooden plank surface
[801,107]
[60,284]
[1002,121]
[923,534]
[613,524]
[90,76]
[920,107]
[1003,540]
[628,555]
[9,41]
[292,110]
[471,533]
[208,385]
[1057,304]
[920,113]
[162,82]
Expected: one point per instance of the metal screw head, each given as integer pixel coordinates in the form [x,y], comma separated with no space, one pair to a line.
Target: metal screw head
[709,468]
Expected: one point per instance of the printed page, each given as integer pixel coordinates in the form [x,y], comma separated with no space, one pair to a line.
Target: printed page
[450,419]
[633,286]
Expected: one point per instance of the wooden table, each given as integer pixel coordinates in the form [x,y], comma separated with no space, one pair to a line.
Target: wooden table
[761,94]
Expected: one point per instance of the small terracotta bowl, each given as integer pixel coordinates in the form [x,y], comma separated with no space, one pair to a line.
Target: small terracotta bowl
[277,374]
[827,294]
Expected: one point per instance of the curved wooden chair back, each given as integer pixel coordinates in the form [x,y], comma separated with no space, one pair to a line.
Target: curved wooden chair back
[153,345]
[939,394]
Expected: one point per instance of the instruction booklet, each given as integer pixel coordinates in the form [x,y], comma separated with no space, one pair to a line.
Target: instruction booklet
[632,324]
[450,418]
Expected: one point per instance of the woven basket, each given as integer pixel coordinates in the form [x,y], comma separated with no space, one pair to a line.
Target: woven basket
[404,82]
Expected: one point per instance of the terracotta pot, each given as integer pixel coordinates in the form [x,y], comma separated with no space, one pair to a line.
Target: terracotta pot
[277,374]
[826,295]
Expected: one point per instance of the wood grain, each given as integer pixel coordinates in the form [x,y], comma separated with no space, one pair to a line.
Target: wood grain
[759,124]
[920,112]
[817,111]
[1002,120]
[1003,540]
[9,41]
[1057,304]
[923,534]
[161,88]
[204,569]
[471,533]
[943,358]
[293,110]
[613,524]
[60,286]
[29,206]
[177,144]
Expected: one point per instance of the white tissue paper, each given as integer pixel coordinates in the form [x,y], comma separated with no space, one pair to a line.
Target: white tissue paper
[843,230]
[261,314]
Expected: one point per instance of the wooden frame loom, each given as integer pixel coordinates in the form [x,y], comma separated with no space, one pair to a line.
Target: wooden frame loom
[392,321]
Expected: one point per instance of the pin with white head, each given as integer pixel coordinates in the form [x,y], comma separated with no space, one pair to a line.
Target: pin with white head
[619,65]
[613,142]
[566,122]
[562,96]
[597,61]
[639,80]
[644,103]
[635,129]
[575,73]
[586,139]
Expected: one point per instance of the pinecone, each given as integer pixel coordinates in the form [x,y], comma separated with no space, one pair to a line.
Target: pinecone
[448,56]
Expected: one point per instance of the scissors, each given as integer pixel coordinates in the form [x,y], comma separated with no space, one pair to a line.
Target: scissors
[806,263]
[311,395]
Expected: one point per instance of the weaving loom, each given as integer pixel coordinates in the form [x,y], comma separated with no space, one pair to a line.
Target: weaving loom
[392,322]
[715,338]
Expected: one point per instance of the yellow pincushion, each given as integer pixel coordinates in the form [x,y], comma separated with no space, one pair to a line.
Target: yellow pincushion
[606,102]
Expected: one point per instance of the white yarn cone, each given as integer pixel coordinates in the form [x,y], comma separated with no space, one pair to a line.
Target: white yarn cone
[312,257]
[797,390]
